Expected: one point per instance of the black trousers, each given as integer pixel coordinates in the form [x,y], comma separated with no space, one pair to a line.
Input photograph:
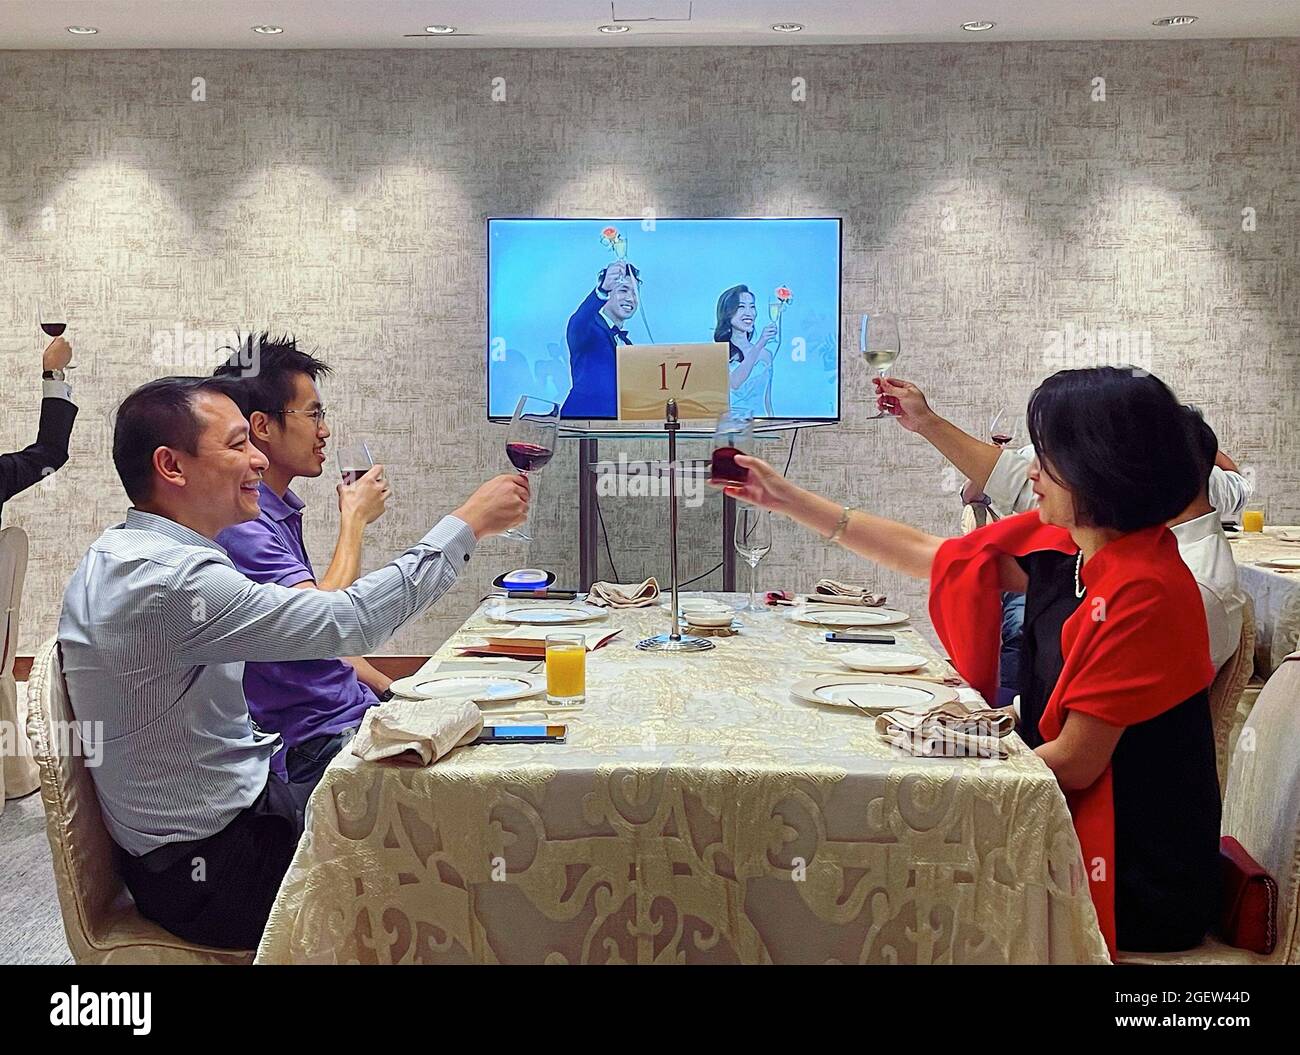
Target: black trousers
[219,891]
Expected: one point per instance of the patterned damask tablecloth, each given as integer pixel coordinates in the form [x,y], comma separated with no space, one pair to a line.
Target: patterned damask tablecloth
[1275,594]
[672,827]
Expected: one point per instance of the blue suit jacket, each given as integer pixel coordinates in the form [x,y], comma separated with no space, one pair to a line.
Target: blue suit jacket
[591,362]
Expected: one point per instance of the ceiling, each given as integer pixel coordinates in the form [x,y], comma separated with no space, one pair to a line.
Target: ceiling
[42,24]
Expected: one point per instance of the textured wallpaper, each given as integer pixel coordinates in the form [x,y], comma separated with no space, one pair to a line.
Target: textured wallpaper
[1023,207]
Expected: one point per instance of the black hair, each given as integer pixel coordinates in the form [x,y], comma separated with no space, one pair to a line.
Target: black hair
[158,414]
[727,305]
[1117,438]
[262,368]
[1205,444]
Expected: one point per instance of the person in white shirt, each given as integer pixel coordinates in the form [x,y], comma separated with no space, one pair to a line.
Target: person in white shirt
[1003,476]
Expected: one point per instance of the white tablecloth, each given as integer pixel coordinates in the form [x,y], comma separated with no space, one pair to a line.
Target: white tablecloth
[1275,594]
[696,814]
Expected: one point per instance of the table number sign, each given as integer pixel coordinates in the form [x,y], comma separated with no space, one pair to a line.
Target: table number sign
[693,374]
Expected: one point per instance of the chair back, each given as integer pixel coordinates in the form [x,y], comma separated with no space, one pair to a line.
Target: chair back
[1226,690]
[18,773]
[100,920]
[1261,807]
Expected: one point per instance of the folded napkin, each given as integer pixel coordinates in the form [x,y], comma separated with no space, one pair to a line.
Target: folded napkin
[780,597]
[832,591]
[950,730]
[416,732]
[624,595]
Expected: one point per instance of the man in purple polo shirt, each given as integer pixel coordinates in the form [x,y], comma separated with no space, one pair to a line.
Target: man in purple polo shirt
[314,704]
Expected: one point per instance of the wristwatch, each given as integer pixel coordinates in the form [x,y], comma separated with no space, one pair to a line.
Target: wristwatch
[52,375]
[385,696]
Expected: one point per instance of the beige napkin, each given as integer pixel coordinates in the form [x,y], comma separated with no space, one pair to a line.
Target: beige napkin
[832,591]
[416,732]
[947,731]
[624,595]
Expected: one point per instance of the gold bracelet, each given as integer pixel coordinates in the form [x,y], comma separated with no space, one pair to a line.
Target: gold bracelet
[839,527]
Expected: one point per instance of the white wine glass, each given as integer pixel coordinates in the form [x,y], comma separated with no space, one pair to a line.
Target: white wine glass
[753,543]
[530,444]
[879,344]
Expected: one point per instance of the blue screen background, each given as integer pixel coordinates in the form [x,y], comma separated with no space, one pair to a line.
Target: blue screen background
[540,270]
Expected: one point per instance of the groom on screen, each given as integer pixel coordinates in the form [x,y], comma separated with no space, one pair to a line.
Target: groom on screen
[595,331]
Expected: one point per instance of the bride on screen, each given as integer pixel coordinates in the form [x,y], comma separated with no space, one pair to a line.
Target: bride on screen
[749,359]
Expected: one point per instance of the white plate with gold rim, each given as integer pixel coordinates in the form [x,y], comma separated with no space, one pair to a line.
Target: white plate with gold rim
[546,615]
[477,686]
[873,694]
[881,661]
[852,617]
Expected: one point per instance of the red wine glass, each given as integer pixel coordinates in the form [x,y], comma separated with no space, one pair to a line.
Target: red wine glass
[734,435]
[530,444]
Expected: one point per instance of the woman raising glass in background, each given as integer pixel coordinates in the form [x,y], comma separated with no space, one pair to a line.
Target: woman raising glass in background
[1117,666]
[749,360]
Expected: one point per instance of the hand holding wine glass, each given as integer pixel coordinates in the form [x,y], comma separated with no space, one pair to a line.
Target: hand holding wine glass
[530,444]
[365,498]
[904,401]
[879,344]
[57,356]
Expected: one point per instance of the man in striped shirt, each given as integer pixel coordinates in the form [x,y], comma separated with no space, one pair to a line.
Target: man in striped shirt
[155,629]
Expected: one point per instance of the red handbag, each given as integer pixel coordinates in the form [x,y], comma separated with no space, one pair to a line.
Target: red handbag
[1248,914]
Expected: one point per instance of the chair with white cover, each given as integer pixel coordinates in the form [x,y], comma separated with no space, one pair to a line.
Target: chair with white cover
[18,773]
[1261,810]
[100,919]
[1226,690]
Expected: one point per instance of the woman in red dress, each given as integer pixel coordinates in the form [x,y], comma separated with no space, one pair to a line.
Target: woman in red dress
[1114,688]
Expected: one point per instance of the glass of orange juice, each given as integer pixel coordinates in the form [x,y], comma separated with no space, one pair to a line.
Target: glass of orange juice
[566,668]
[1252,518]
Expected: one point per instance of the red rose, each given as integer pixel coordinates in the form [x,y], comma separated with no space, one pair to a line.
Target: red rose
[783,293]
[610,233]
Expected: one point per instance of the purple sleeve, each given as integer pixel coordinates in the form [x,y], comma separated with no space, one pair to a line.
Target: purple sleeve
[263,556]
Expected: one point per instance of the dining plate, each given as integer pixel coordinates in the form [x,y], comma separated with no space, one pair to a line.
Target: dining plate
[881,661]
[477,686]
[1289,563]
[850,617]
[537,615]
[874,694]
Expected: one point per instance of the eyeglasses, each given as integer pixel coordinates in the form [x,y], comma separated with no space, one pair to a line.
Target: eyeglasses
[318,415]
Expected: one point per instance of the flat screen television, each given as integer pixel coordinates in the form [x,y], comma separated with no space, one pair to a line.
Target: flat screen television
[565,294]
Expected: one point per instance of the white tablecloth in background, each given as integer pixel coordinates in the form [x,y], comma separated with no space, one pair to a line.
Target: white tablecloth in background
[697,814]
[1276,594]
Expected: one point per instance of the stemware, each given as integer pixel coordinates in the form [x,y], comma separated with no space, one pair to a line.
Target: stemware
[530,444]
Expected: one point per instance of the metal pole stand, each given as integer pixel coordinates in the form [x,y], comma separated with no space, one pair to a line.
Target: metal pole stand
[675,641]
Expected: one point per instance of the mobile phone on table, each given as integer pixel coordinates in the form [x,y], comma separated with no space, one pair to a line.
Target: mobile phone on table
[522,734]
[840,637]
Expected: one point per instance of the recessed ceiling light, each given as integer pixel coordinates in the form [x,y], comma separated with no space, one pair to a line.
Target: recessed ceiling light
[614,29]
[82,31]
[440,31]
[270,31]
[786,27]
[1175,20]
[977,27]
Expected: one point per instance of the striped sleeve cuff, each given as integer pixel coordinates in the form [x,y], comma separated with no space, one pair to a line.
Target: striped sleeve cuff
[454,539]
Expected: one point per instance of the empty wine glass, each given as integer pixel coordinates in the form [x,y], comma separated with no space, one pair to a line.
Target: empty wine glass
[879,344]
[354,460]
[530,444]
[753,543]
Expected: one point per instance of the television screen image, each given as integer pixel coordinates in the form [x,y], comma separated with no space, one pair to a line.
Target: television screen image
[564,295]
